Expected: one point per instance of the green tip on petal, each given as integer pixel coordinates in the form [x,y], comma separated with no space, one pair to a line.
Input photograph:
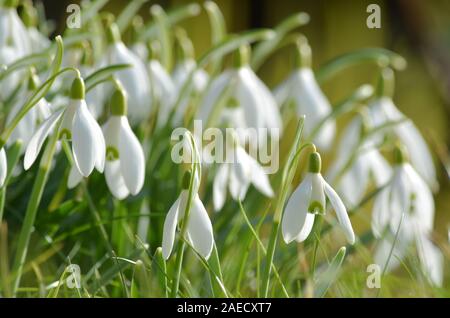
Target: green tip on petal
[303,55]
[77,91]
[242,56]
[316,207]
[186,180]
[119,103]
[113,33]
[315,163]
[386,83]
[400,154]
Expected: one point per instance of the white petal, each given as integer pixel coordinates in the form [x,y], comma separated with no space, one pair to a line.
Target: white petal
[312,103]
[317,194]
[135,81]
[132,161]
[114,180]
[84,140]
[200,232]
[100,145]
[294,216]
[341,212]
[220,186]
[170,227]
[384,250]
[212,95]
[431,260]
[259,178]
[423,203]
[36,142]
[75,177]
[400,198]
[306,229]
[380,213]
[3,166]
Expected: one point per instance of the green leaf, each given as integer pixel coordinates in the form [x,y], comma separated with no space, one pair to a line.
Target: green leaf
[127,14]
[330,275]
[264,49]
[23,62]
[102,74]
[218,29]
[173,17]
[91,10]
[382,57]
[140,284]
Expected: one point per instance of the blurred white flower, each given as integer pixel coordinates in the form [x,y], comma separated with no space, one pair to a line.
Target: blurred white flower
[383,110]
[28,124]
[309,199]
[238,174]
[406,205]
[250,104]
[75,123]
[366,165]
[198,84]
[14,44]
[135,79]
[38,41]
[125,162]
[301,89]
[199,231]
[3,167]
[163,90]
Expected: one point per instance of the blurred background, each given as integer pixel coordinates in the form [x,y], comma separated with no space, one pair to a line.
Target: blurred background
[418,30]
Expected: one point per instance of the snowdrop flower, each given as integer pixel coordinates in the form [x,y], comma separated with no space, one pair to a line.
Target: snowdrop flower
[125,163]
[28,124]
[163,90]
[38,42]
[238,175]
[182,72]
[251,104]
[406,207]
[75,123]
[14,44]
[307,201]
[135,79]
[3,167]
[383,110]
[199,232]
[138,47]
[302,91]
[367,164]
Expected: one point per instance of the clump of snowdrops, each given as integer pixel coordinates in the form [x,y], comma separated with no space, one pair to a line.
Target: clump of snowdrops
[90,192]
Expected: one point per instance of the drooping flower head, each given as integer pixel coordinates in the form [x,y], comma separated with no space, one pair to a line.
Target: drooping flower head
[358,162]
[405,209]
[76,124]
[135,79]
[308,200]
[250,103]
[125,162]
[382,110]
[238,174]
[302,91]
[199,231]
[14,44]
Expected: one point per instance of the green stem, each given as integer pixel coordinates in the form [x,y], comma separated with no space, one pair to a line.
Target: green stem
[269,258]
[32,208]
[178,266]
